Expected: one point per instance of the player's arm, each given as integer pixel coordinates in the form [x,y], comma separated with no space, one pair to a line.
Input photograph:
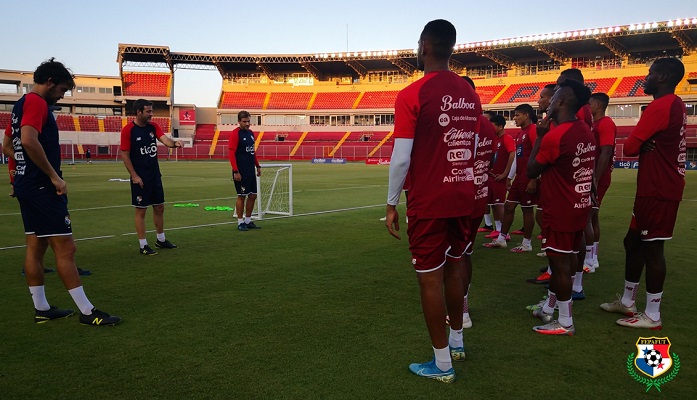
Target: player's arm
[32,146]
[256,163]
[232,149]
[399,166]
[126,155]
[536,167]
[651,122]
[169,142]
[7,148]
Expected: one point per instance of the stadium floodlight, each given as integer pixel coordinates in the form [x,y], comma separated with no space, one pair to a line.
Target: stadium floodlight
[694,21]
[617,29]
[654,25]
[670,24]
[678,22]
[596,31]
[646,25]
[632,27]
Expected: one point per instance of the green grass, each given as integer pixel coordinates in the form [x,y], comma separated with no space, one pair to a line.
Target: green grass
[314,306]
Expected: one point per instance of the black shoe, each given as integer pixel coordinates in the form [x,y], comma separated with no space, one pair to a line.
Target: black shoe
[84,272]
[99,318]
[147,251]
[46,271]
[52,313]
[165,245]
[242,227]
[252,225]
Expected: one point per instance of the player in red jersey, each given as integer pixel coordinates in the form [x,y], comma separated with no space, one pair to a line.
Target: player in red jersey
[488,220]
[504,156]
[659,141]
[523,190]
[436,120]
[605,133]
[565,157]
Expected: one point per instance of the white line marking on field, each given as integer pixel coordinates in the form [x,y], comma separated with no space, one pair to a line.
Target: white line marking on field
[218,224]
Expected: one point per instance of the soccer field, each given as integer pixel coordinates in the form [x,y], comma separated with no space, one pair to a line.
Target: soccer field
[320,305]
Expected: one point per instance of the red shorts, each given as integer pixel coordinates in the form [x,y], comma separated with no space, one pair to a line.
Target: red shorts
[519,194]
[431,240]
[497,191]
[473,226]
[561,242]
[601,194]
[654,218]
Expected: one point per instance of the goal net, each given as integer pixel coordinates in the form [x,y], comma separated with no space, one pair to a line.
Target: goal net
[275,190]
[67,151]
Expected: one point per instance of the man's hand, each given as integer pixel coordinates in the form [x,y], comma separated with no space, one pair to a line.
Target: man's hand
[648,145]
[392,220]
[258,171]
[509,183]
[61,186]
[543,126]
[178,143]
[532,186]
[236,176]
[500,177]
[137,181]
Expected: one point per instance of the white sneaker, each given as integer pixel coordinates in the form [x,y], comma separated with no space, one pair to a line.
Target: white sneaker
[495,244]
[383,219]
[466,321]
[542,254]
[617,307]
[596,264]
[588,268]
[522,248]
[640,320]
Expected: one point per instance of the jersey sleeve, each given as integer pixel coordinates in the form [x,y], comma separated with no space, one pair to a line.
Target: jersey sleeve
[126,138]
[8,130]
[158,130]
[406,110]
[549,149]
[34,113]
[232,147]
[653,120]
[508,143]
[606,133]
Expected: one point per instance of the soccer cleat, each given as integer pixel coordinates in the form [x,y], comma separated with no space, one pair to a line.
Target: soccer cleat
[544,269]
[521,248]
[544,278]
[252,225]
[46,271]
[492,235]
[431,371]
[596,265]
[242,227]
[640,320]
[457,353]
[542,254]
[588,268]
[544,317]
[466,321]
[555,328]
[84,272]
[537,306]
[99,318]
[52,313]
[517,232]
[485,228]
[165,245]
[617,307]
[147,251]
[495,244]
[578,295]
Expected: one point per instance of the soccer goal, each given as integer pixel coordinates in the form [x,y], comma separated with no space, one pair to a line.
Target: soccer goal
[275,190]
[67,150]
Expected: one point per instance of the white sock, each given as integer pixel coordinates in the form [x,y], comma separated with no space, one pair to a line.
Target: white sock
[498,226]
[653,305]
[247,220]
[565,313]
[161,237]
[38,296]
[551,302]
[501,238]
[487,219]
[595,251]
[549,270]
[589,255]
[526,242]
[578,282]
[455,339]
[80,299]
[240,221]
[629,296]
[443,360]
[143,242]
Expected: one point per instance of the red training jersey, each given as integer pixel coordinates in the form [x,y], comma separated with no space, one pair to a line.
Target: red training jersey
[524,141]
[661,172]
[482,165]
[440,112]
[504,146]
[605,132]
[584,114]
[568,151]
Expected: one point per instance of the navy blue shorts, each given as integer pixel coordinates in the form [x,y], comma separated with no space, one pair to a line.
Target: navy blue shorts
[248,184]
[151,193]
[45,215]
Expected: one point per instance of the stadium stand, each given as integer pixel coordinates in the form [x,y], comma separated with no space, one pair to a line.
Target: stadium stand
[206,132]
[146,84]
[630,86]
[242,100]
[487,93]
[88,123]
[113,124]
[381,99]
[163,122]
[339,100]
[289,101]
[65,122]
[5,119]
[522,93]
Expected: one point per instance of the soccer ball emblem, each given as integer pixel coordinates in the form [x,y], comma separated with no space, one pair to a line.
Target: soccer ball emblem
[653,358]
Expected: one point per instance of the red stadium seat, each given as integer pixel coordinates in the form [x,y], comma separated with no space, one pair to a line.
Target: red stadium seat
[289,101]
[88,123]
[487,93]
[163,122]
[382,99]
[338,100]
[242,100]
[631,86]
[146,84]
[206,132]
[113,124]
[65,122]
[5,119]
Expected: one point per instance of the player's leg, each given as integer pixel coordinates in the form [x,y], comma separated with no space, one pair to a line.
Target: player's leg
[633,267]
[589,236]
[507,220]
[158,218]
[528,225]
[595,221]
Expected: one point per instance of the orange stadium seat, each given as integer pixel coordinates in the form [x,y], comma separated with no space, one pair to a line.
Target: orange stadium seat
[112,124]
[291,101]
[324,136]
[602,85]
[522,93]
[487,93]
[5,119]
[206,132]
[164,123]
[383,99]
[147,84]
[630,86]
[242,100]
[65,122]
[340,100]
[88,123]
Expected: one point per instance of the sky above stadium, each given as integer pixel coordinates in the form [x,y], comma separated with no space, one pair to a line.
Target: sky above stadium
[85,34]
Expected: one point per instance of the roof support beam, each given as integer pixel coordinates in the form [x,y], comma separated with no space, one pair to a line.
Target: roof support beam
[312,70]
[616,47]
[358,67]
[267,70]
[554,53]
[498,58]
[688,46]
[403,65]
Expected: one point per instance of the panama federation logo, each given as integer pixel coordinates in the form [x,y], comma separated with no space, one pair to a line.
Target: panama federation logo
[653,360]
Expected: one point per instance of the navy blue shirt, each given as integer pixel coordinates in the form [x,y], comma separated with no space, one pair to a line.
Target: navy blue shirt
[141,143]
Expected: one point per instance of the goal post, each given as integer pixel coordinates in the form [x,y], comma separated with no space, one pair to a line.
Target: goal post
[69,154]
[275,190]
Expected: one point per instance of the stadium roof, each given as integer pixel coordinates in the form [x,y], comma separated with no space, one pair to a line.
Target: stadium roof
[646,40]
